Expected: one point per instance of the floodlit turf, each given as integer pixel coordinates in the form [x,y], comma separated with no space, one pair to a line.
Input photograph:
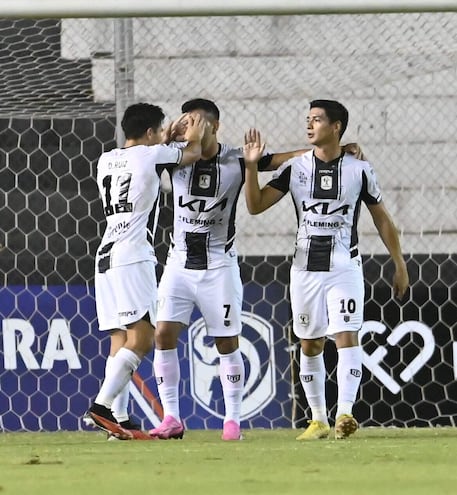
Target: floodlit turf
[374,461]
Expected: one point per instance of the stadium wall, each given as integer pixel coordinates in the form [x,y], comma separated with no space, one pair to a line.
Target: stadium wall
[392,71]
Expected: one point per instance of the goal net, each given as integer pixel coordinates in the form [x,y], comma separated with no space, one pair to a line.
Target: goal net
[64,83]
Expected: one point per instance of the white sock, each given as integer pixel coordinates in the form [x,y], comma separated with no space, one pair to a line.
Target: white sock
[349,375]
[121,401]
[232,374]
[168,375]
[312,377]
[118,375]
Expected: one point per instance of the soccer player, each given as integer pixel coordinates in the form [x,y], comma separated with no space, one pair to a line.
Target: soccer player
[202,269]
[128,179]
[326,278]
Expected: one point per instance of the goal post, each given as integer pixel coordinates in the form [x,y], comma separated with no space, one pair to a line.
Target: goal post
[166,8]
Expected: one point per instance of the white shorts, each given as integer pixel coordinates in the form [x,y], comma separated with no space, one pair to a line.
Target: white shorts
[218,294]
[124,294]
[326,303]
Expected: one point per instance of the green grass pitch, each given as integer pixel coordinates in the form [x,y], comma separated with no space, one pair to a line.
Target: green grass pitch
[374,461]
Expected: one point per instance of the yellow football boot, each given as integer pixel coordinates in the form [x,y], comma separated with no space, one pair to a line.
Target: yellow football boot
[315,430]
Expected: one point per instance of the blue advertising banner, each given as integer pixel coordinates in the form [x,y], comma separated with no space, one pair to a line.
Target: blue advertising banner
[53,358]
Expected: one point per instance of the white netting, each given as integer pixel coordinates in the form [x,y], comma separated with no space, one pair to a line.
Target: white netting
[396,73]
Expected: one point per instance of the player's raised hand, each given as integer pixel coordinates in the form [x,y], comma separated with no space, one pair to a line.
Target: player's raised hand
[253,147]
[195,129]
[178,128]
[167,134]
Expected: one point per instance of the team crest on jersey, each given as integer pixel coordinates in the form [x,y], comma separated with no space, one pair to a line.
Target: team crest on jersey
[326,182]
[204,181]
[303,319]
[257,348]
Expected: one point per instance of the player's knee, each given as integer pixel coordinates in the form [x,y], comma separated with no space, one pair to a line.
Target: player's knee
[227,345]
[346,339]
[312,347]
[166,335]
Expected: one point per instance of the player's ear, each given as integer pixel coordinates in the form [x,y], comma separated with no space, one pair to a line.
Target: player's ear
[216,126]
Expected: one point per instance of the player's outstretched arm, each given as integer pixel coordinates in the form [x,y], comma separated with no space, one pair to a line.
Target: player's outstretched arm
[279,158]
[257,200]
[193,135]
[389,235]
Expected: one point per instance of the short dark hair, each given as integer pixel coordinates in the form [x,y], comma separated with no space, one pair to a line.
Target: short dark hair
[140,117]
[201,104]
[334,110]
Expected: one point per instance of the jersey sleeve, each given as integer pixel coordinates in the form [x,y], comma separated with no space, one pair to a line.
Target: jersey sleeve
[281,178]
[166,156]
[264,162]
[371,192]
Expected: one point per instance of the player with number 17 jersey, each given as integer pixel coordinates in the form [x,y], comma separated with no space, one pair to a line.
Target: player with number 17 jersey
[129,182]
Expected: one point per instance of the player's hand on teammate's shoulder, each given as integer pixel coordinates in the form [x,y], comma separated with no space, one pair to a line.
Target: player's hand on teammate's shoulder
[253,147]
[355,150]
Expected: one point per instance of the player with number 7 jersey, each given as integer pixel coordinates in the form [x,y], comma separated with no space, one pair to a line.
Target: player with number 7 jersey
[125,281]
[202,271]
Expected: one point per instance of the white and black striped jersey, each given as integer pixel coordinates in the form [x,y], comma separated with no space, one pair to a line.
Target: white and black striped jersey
[128,180]
[205,195]
[327,199]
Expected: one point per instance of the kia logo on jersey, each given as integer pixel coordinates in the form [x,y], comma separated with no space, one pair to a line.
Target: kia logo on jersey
[256,345]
